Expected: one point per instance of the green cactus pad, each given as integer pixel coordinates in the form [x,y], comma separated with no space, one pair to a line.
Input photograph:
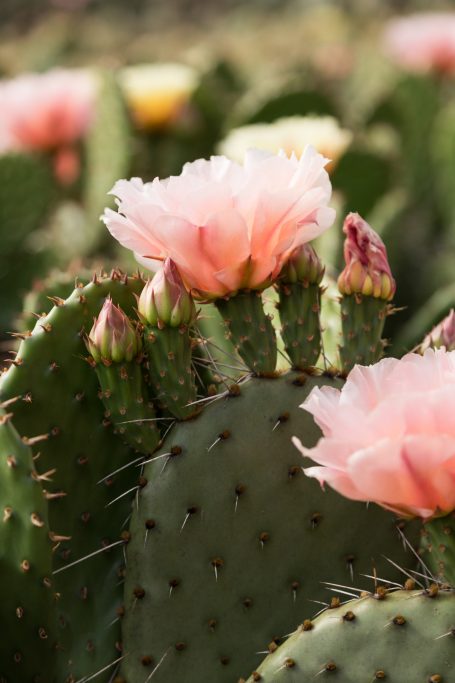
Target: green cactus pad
[406,636]
[29,638]
[59,392]
[26,193]
[171,373]
[108,156]
[250,330]
[229,539]
[299,307]
[438,546]
[362,323]
[125,397]
[38,301]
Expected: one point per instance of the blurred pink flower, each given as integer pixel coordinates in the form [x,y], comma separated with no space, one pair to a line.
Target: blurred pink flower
[367,268]
[389,434]
[47,113]
[226,226]
[423,42]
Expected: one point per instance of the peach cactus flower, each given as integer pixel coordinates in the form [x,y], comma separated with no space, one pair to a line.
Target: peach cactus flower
[423,42]
[48,112]
[226,226]
[389,434]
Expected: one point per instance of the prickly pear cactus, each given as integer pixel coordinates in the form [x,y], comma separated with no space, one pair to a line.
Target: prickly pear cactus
[29,640]
[41,297]
[229,539]
[88,508]
[108,157]
[27,194]
[438,547]
[26,191]
[406,636]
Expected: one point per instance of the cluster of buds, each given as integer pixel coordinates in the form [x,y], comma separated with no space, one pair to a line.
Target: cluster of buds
[113,338]
[304,266]
[367,269]
[441,336]
[164,301]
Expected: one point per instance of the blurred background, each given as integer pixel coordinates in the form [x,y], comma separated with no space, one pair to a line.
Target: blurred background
[92,91]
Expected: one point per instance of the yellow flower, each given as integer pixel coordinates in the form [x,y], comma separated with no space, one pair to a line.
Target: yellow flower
[157,93]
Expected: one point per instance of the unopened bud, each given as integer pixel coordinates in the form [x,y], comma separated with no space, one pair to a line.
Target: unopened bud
[367,269]
[113,337]
[441,336]
[165,301]
[303,265]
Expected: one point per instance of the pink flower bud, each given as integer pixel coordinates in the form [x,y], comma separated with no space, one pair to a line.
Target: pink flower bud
[303,266]
[113,337]
[165,301]
[441,336]
[367,269]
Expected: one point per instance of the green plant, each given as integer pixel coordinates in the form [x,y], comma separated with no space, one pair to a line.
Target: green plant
[403,635]
[221,508]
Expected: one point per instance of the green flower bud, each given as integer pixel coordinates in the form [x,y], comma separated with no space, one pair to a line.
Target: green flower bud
[303,265]
[164,301]
[113,339]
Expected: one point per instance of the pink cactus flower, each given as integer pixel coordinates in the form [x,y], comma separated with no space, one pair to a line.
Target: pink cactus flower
[423,42]
[389,434]
[47,112]
[367,269]
[226,226]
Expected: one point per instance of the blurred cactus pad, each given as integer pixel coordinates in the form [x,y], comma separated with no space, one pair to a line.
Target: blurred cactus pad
[175,547]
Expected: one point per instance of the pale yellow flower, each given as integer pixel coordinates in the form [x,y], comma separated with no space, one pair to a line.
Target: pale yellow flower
[157,93]
[292,134]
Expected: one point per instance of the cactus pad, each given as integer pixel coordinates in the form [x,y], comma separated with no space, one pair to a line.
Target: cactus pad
[229,539]
[59,392]
[403,636]
[27,645]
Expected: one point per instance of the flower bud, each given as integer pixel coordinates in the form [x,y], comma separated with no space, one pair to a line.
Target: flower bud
[113,337]
[164,301]
[367,269]
[443,335]
[303,265]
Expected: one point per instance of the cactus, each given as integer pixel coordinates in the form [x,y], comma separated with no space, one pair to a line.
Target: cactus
[397,635]
[28,644]
[167,311]
[108,156]
[59,392]
[227,526]
[443,153]
[40,299]
[67,407]
[411,108]
[300,306]
[438,547]
[367,286]
[27,193]
[216,525]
